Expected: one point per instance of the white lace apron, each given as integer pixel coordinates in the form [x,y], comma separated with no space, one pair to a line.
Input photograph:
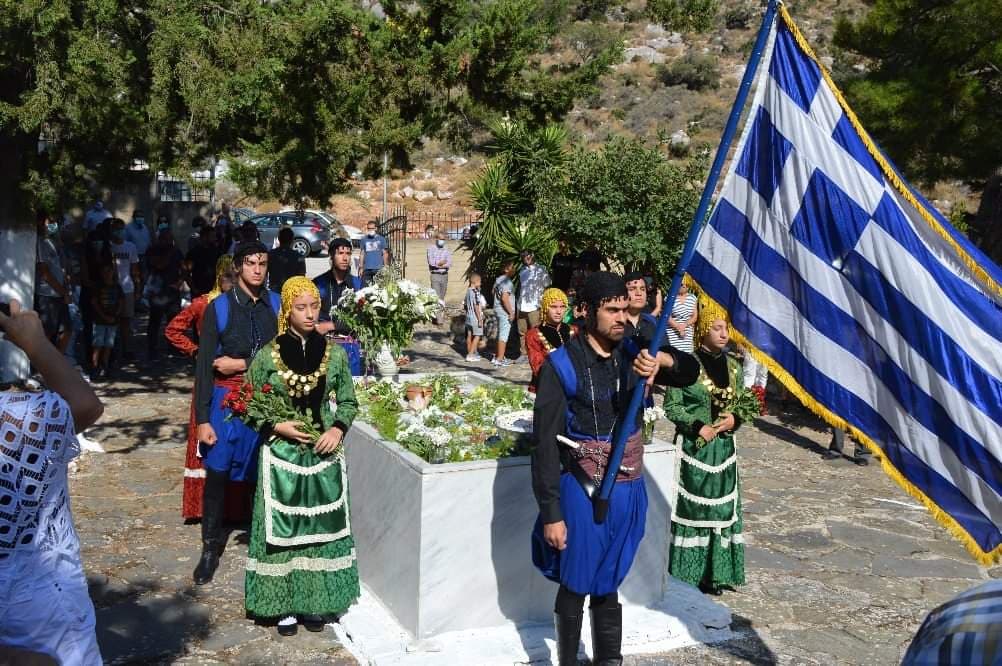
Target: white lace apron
[44,605]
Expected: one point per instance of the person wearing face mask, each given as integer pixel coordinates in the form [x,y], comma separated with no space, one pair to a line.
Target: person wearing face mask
[375,253]
[52,292]
[137,233]
[126,260]
[439,263]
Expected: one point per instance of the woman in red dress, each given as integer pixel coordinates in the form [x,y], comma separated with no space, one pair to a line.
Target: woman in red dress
[179,333]
[551,333]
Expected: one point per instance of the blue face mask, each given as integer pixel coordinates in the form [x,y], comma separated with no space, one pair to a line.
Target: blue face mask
[52,228]
[163,227]
[139,221]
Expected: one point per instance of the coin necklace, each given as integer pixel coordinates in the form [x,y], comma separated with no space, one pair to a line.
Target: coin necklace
[299,385]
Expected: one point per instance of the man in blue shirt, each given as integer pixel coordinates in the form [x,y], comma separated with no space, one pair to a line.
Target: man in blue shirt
[375,254]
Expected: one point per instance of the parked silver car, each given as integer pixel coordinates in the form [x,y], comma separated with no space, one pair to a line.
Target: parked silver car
[311,231]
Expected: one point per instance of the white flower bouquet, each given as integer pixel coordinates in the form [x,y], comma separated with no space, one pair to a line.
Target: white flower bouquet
[459,425]
[386,311]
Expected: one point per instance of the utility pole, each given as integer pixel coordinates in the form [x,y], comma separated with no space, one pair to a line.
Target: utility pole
[386,164]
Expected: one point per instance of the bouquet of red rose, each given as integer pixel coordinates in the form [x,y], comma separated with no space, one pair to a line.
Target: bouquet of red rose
[259,409]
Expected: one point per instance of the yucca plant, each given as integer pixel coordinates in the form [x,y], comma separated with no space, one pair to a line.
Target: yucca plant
[526,163]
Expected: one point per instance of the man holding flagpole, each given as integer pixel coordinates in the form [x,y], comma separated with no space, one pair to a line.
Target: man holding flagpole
[583,391]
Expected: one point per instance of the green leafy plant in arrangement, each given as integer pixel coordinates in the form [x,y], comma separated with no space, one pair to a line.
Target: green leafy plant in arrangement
[457,425]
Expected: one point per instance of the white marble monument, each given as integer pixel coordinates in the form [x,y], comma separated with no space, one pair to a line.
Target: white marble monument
[446,548]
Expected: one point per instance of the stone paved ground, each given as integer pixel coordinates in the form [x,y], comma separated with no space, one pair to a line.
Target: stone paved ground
[842,565]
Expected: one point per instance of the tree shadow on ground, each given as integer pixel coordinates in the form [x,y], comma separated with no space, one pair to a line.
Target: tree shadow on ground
[135,625]
[140,433]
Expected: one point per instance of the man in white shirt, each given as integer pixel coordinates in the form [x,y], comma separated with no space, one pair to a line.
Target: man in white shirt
[127,266]
[95,216]
[532,281]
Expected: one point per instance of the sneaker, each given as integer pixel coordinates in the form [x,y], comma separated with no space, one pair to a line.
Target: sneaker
[504,363]
[495,362]
[473,358]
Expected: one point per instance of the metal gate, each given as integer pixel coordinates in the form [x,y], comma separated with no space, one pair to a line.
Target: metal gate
[394,230]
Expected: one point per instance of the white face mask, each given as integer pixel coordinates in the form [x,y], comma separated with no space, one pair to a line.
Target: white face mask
[440,243]
[370,233]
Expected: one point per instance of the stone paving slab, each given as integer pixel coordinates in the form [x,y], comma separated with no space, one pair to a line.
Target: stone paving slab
[842,565]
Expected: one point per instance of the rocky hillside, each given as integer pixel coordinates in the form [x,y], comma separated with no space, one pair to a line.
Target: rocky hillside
[669,87]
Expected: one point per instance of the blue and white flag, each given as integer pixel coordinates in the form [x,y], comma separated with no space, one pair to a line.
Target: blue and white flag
[859,296]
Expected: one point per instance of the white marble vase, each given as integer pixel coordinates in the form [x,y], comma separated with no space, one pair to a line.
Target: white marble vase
[385,362]
[446,547]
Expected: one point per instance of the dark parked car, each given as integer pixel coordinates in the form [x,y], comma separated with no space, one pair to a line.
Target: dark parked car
[311,232]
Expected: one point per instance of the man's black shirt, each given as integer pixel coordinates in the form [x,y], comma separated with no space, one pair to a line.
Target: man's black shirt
[250,326]
[603,375]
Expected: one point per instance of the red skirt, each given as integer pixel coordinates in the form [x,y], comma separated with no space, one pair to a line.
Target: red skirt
[238,493]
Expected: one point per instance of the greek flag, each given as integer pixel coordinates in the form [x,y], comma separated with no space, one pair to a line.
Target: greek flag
[858,295]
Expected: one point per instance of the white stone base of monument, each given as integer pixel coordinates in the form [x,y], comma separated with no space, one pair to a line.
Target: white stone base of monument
[372,635]
[444,551]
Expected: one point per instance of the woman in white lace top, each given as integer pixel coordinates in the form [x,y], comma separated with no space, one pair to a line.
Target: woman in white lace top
[44,605]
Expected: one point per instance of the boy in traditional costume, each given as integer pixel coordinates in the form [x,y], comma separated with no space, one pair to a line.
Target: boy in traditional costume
[234,329]
[707,548]
[584,388]
[301,559]
[183,332]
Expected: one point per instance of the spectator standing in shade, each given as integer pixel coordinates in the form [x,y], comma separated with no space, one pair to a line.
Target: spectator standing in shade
[52,292]
[682,321]
[375,253]
[127,264]
[592,261]
[504,309]
[96,215]
[654,297]
[533,280]
[283,261]
[223,224]
[563,265]
[139,235]
[163,287]
[439,263]
[201,261]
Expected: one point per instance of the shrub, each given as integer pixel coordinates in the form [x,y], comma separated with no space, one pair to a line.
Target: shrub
[695,72]
[737,18]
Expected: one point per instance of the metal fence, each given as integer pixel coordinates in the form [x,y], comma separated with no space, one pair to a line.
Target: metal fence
[423,224]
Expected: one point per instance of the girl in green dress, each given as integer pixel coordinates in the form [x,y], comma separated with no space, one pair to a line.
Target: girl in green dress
[301,560]
[707,547]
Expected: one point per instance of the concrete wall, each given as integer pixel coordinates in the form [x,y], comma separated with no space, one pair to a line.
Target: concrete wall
[140,193]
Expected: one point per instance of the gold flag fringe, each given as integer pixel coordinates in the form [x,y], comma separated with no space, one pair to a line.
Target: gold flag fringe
[793,386]
[978,271]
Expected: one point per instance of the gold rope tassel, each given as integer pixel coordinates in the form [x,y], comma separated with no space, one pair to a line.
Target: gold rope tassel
[978,271]
[832,419]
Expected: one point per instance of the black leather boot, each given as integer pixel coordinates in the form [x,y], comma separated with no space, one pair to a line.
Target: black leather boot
[568,628]
[607,635]
[212,520]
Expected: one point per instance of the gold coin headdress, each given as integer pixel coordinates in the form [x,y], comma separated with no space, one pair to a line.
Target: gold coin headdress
[294,288]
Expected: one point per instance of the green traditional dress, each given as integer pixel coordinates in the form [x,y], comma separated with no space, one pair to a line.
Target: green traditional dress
[707,546]
[301,558]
